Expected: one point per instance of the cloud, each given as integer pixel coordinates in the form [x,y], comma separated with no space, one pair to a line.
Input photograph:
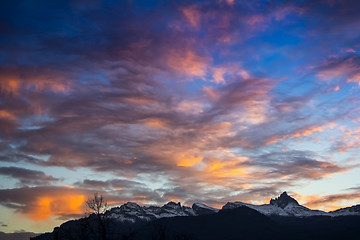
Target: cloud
[346,68]
[65,202]
[243,95]
[303,132]
[330,202]
[354,189]
[192,15]
[119,191]
[188,63]
[211,101]
[348,141]
[298,165]
[13,79]
[39,203]
[28,177]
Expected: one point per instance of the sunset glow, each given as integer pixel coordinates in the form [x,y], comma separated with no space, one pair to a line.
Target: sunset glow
[189,101]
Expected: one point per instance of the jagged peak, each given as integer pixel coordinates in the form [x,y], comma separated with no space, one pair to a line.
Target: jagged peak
[172,204]
[130,206]
[199,205]
[283,200]
[201,209]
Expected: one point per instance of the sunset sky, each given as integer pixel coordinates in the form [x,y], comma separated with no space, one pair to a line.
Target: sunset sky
[189,101]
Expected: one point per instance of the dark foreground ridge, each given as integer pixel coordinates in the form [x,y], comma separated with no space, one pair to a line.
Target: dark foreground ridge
[17,235]
[235,221]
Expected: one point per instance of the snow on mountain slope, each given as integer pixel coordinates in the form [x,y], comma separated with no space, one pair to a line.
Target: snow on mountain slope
[202,209]
[132,212]
[284,205]
[353,210]
[265,209]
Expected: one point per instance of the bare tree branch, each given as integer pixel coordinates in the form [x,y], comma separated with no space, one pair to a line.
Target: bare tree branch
[96,204]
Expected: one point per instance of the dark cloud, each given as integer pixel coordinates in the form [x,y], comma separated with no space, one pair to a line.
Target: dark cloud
[28,177]
[354,189]
[298,165]
[118,191]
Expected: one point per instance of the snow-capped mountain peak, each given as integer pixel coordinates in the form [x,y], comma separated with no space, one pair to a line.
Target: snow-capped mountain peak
[202,209]
[132,212]
[283,200]
[284,205]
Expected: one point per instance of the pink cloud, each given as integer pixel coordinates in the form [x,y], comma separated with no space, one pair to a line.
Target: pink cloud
[188,63]
[347,69]
[354,78]
[255,19]
[192,15]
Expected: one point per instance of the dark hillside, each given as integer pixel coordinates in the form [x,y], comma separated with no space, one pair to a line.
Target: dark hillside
[229,224]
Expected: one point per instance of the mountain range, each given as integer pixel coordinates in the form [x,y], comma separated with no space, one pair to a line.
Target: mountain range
[283,216]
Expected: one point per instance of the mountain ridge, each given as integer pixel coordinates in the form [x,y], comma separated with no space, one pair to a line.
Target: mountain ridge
[284,205]
[124,219]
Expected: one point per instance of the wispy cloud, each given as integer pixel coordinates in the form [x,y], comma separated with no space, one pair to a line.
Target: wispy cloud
[329,202]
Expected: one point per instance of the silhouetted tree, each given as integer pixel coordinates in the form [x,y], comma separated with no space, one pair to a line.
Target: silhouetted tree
[97,205]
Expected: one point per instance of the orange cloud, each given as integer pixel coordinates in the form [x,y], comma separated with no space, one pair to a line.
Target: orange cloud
[329,202]
[230,2]
[139,100]
[13,80]
[299,133]
[7,114]
[41,203]
[155,122]
[64,204]
[307,131]
[226,169]
[189,160]
[10,85]
[348,145]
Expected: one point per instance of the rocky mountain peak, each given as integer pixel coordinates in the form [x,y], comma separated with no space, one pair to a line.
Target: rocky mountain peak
[283,200]
[202,209]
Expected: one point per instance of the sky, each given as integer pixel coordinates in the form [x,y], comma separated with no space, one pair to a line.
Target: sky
[185,101]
